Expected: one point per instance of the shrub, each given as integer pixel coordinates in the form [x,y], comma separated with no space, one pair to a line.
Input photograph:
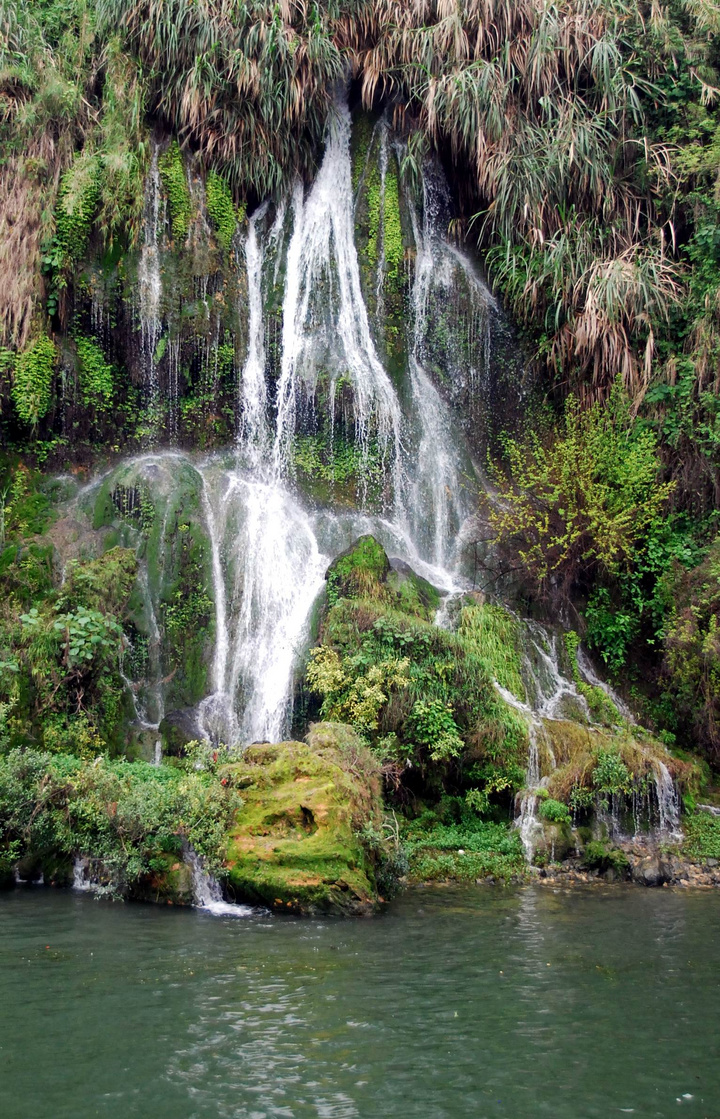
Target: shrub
[578,500]
[554,811]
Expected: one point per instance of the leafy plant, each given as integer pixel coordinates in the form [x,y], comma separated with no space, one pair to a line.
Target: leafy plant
[33,380]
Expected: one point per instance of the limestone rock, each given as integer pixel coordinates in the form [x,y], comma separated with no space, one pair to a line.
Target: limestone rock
[295,845]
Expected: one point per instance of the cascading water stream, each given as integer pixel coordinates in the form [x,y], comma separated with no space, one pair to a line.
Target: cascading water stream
[438,498]
[150,284]
[253,434]
[322,262]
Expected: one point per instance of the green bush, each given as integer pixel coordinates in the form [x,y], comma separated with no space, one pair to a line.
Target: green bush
[125,815]
[554,811]
[578,501]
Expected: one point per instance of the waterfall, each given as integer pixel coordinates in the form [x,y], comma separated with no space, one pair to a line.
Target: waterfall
[279,570]
[335,340]
[268,548]
[150,286]
[668,803]
[438,496]
[253,434]
[207,891]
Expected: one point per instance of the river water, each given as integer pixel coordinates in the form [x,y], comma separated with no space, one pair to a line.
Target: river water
[456,1003]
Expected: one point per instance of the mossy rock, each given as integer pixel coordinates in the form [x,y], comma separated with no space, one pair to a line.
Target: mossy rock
[415,594]
[364,571]
[295,845]
[360,569]
[170,883]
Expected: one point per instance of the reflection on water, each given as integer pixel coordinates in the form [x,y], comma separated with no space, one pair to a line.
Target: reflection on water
[457,1003]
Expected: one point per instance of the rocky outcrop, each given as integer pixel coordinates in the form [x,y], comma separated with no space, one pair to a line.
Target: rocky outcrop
[295,845]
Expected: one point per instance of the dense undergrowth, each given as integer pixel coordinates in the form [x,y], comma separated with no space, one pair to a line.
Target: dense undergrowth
[130,820]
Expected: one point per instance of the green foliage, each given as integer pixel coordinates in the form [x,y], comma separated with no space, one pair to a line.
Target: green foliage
[702,836]
[464,848]
[611,776]
[175,184]
[76,208]
[692,647]
[65,689]
[599,855]
[599,703]
[123,816]
[96,373]
[339,462]
[24,505]
[392,228]
[432,724]
[581,501]
[495,633]
[418,693]
[554,811]
[221,208]
[33,380]
[87,634]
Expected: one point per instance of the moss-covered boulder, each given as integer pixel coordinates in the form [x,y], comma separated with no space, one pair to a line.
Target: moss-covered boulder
[296,843]
[365,571]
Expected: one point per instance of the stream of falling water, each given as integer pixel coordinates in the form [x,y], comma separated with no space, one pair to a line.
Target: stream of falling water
[150,284]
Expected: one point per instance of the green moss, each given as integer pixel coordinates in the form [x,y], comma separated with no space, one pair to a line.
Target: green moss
[33,380]
[362,133]
[221,208]
[360,570]
[392,226]
[174,180]
[295,844]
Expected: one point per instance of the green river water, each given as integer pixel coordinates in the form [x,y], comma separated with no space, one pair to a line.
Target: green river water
[455,1003]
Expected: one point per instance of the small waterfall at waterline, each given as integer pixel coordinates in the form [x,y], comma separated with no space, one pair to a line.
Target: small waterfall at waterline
[207,891]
